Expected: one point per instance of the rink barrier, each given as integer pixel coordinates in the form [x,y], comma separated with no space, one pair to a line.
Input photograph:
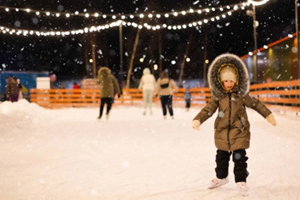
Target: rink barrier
[281,95]
[60,98]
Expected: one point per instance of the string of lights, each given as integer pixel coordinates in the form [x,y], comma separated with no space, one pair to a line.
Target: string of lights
[24,32]
[123,16]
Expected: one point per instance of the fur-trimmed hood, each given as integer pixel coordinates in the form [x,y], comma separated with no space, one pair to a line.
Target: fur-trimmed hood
[213,76]
[104,71]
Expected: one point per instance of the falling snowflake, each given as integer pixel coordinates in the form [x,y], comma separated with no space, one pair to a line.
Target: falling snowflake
[221,114]
[17,23]
[94,192]
[196,2]
[237,156]
[125,164]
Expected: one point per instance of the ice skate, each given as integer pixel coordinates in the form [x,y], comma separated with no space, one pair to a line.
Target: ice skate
[144,113]
[216,182]
[243,188]
[107,116]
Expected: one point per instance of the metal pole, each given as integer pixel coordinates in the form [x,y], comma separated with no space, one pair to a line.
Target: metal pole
[160,67]
[121,52]
[94,60]
[255,46]
[205,57]
[297,34]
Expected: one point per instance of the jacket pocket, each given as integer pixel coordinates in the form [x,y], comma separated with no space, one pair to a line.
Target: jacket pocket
[217,123]
[242,123]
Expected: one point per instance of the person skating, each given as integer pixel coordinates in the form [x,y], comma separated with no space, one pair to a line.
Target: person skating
[12,89]
[165,87]
[187,97]
[108,85]
[147,84]
[228,81]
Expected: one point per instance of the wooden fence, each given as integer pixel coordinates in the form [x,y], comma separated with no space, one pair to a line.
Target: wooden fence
[283,95]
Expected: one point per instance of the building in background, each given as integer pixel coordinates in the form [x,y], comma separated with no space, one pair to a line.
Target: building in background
[27,79]
[275,62]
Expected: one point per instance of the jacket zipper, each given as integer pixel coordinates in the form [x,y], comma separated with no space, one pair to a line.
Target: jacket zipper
[229,122]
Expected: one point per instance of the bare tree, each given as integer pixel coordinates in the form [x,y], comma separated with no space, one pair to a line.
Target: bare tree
[182,65]
[137,36]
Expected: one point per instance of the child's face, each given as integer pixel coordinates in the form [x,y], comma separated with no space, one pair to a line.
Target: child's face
[228,84]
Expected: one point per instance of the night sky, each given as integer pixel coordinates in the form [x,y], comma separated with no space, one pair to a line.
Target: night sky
[67,56]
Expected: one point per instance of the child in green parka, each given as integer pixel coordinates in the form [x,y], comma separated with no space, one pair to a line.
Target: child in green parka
[228,80]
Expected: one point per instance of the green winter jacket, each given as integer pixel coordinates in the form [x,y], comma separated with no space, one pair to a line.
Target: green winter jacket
[231,127]
[108,83]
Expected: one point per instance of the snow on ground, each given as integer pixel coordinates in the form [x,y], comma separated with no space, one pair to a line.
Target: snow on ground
[68,154]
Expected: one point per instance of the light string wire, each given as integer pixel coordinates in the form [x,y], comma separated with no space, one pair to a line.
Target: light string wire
[24,32]
[122,16]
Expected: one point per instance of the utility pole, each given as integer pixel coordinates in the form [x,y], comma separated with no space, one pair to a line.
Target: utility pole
[160,67]
[94,60]
[297,34]
[255,57]
[121,53]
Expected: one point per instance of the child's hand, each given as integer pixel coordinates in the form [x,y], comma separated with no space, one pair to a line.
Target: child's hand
[196,124]
[270,118]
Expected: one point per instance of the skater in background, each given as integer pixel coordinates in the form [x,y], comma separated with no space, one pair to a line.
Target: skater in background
[20,89]
[108,85]
[187,97]
[12,89]
[75,85]
[229,83]
[147,85]
[165,87]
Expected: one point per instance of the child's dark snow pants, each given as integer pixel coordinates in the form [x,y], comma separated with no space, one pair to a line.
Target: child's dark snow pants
[240,165]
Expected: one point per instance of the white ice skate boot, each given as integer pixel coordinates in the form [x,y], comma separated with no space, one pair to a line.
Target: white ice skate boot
[243,188]
[216,182]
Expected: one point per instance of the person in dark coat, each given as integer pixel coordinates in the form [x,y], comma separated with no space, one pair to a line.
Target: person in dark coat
[12,89]
[187,97]
[228,80]
[108,86]
[165,88]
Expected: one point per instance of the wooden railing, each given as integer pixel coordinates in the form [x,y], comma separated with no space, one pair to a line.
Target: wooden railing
[281,95]
[278,95]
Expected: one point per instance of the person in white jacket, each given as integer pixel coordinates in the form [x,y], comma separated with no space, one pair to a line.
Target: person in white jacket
[147,84]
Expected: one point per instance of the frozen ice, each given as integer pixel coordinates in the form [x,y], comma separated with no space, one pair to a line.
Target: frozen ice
[69,154]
